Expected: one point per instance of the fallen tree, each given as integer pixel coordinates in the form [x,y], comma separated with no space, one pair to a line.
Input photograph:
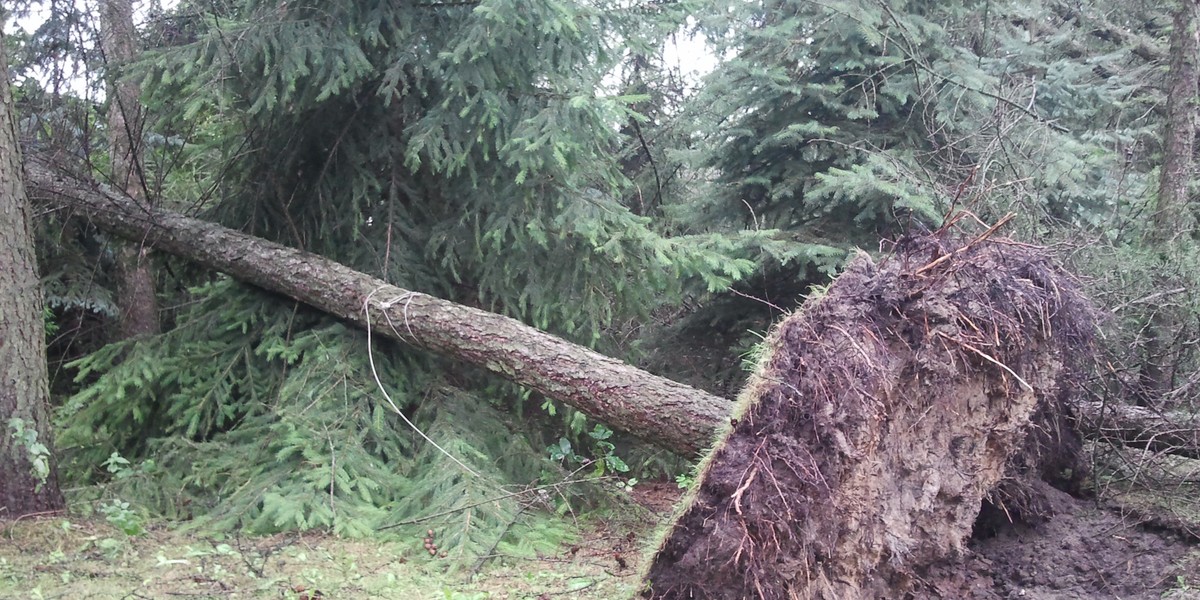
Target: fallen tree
[879,421]
[674,416]
[875,483]
[666,413]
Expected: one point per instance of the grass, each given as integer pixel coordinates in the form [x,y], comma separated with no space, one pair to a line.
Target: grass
[78,558]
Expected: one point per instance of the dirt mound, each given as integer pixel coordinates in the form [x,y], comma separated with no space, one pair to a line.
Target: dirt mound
[1084,551]
[881,418]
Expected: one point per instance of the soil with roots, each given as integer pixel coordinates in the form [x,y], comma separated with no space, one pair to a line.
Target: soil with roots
[882,417]
[1084,548]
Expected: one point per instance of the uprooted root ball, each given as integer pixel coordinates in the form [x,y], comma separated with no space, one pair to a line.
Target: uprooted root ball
[881,417]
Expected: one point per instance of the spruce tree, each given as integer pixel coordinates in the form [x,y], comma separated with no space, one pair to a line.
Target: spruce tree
[850,124]
[138,301]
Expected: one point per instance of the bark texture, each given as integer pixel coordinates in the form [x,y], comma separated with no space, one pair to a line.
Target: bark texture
[671,415]
[135,296]
[24,388]
[1173,218]
[1173,215]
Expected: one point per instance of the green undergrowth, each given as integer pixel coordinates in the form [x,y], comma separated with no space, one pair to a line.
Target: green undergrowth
[243,418]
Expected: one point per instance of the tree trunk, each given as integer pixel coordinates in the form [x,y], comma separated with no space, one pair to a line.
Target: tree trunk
[1173,216]
[669,414]
[28,482]
[135,296]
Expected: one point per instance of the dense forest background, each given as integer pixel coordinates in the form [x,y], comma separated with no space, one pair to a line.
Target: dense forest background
[543,160]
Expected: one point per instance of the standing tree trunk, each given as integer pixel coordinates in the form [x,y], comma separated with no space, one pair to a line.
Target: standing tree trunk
[28,482]
[1173,216]
[135,298]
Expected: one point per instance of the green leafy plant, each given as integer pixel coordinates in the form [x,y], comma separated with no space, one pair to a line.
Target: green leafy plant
[685,480]
[119,514]
[122,469]
[604,459]
[38,453]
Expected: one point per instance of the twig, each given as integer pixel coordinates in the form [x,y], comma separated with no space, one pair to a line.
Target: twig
[988,358]
[451,511]
[983,236]
[571,590]
[496,542]
[757,299]
[1150,298]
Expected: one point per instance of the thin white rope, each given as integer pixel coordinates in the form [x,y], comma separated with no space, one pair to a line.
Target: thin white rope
[388,397]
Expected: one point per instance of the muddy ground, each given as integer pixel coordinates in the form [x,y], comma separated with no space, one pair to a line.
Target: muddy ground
[1087,549]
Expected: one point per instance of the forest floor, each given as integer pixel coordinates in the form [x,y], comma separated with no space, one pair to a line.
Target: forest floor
[1087,550]
[70,558]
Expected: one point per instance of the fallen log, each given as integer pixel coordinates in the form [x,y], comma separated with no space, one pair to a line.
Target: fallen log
[881,418]
[1138,427]
[668,414]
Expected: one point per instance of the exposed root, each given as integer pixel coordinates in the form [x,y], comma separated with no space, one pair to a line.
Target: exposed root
[882,417]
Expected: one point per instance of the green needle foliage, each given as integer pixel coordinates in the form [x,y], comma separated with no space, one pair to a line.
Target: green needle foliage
[831,125]
[461,149]
[849,119]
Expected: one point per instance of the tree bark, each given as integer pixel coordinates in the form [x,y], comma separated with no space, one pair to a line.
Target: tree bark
[28,482]
[1173,217]
[668,414]
[135,296]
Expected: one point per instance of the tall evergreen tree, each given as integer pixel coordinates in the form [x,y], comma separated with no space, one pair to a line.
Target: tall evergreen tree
[835,125]
[1173,219]
[28,474]
[838,119]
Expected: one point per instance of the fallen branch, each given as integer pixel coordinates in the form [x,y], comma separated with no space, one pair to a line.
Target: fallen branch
[1139,427]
